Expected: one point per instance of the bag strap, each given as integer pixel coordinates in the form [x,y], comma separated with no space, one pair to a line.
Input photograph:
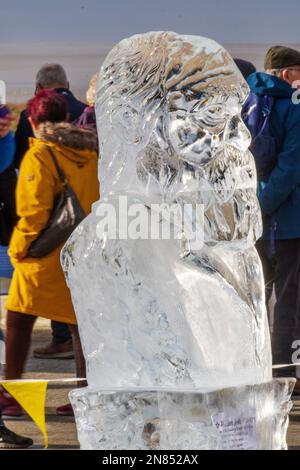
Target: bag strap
[60,172]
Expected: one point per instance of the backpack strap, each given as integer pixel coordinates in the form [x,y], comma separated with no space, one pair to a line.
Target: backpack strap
[60,172]
[266,110]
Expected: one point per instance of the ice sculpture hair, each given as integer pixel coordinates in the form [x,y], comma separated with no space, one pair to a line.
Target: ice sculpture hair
[151,315]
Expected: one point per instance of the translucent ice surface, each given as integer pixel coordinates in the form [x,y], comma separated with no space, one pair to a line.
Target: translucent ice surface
[240,418]
[160,313]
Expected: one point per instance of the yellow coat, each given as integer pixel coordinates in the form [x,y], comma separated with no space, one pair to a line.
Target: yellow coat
[38,286]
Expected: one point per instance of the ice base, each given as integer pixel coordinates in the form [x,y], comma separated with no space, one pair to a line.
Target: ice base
[248,417]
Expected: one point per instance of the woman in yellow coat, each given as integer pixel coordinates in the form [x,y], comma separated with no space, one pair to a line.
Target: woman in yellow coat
[38,286]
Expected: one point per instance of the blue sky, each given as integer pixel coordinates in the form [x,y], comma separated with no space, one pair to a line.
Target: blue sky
[93,21]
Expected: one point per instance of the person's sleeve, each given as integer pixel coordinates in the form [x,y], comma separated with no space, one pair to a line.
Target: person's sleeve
[7,150]
[286,175]
[22,135]
[35,198]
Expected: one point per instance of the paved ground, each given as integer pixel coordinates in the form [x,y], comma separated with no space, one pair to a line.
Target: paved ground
[62,431]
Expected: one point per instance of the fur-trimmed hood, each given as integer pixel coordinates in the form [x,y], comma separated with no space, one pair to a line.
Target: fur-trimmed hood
[68,135]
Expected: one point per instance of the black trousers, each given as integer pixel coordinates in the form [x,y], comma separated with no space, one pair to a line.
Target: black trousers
[282,271]
[60,332]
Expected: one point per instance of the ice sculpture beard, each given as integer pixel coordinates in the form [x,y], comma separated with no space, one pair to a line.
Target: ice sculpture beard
[152,313]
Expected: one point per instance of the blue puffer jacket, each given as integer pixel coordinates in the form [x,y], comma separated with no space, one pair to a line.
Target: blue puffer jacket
[7,151]
[279,197]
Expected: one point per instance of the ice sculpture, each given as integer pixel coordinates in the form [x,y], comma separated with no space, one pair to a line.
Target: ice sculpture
[161,316]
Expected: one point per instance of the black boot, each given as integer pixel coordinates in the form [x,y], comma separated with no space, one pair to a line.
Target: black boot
[10,440]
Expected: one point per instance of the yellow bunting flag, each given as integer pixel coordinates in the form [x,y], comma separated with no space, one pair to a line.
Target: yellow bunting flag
[32,397]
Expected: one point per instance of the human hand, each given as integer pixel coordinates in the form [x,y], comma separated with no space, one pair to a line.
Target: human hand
[5,125]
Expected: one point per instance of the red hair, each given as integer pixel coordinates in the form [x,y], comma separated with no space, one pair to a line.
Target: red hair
[47,106]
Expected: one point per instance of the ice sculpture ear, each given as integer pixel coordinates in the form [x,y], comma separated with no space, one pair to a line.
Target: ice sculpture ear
[132,126]
[126,122]
[157,162]
[160,130]
[153,165]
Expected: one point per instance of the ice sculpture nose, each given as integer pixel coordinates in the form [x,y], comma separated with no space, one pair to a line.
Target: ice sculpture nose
[237,134]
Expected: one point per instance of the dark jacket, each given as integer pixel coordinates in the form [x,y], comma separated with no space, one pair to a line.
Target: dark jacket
[24,130]
[279,196]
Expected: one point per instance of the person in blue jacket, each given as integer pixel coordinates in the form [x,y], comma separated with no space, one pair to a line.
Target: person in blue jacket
[279,197]
[7,148]
[8,180]
[8,439]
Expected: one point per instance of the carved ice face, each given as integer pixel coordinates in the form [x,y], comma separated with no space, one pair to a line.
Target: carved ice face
[210,162]
[201,127]
[162,93]
[169,121]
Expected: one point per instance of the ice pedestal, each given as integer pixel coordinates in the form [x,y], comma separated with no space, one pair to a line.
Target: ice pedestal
[249,417]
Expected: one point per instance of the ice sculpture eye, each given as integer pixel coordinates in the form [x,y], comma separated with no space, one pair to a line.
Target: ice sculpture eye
[213,118]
